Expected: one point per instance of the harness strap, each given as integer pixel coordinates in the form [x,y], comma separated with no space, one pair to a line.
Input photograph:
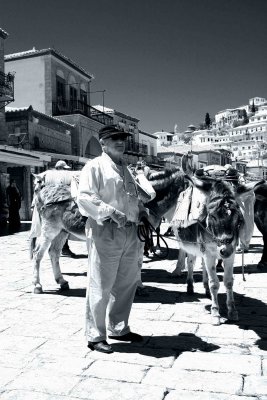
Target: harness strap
[145,235]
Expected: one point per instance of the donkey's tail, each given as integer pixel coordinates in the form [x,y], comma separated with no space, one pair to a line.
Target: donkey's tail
[32,246]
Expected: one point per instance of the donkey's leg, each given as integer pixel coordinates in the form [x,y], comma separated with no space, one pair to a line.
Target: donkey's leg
[263,262]
[205,279]
[54,254]
[48,233]
[41,246]
[214,285]
[180,265]
[190,270]
[228,283]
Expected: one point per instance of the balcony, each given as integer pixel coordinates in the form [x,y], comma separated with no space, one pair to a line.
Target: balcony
[6,87]
[65,107]
[136,148]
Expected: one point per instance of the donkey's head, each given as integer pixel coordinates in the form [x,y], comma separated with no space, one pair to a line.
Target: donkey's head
[38,183]
[223,215]
[224,218]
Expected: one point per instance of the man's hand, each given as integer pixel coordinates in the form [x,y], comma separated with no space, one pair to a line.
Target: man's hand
[119,218]
[143,215]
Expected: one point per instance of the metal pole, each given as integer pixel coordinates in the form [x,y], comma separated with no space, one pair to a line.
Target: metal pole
[103,93]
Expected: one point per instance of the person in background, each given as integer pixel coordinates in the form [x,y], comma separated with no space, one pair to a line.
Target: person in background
[14,203]
[108,196]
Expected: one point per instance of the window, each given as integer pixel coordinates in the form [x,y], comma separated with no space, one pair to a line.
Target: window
[83,96]
[61,92]
[73,93]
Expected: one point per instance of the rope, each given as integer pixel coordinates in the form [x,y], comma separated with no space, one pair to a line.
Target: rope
[145,234]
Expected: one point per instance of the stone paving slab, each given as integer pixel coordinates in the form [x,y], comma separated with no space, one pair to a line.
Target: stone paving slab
[232,363]
[188,395]
[43,352]
[100,389]
[194,380]
[255,385]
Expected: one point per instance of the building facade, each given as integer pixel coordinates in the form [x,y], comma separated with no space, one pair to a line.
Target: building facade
[56,86]
[140,145]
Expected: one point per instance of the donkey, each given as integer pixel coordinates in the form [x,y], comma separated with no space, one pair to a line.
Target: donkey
[60,216]
[260,216]
[213,237]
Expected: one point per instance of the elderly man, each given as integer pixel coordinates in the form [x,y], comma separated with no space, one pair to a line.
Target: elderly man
[108,196]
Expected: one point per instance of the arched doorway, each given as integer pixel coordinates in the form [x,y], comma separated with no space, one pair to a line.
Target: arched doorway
[93,148]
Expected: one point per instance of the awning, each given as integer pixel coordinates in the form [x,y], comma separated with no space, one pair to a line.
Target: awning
[33,158]
[58,156]
[12,155]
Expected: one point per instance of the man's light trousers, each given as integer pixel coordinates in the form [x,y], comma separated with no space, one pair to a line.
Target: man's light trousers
[113,268]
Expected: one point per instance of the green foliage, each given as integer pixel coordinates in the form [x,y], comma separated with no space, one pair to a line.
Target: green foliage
[253,108]
[207,120]
[245,117]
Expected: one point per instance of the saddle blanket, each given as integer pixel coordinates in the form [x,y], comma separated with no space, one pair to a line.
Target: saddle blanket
[190,208]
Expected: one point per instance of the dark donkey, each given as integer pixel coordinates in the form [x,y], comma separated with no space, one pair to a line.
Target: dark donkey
[260,217]
[214,237]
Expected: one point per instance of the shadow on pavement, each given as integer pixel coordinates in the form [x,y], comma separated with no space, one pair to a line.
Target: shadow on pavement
[252,315]
[166,346]
[7,230]
[166,296]
[80,256]
[172,255]
[77,292]
[75,273]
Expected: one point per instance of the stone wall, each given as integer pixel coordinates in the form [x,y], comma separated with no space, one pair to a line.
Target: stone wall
[85,129]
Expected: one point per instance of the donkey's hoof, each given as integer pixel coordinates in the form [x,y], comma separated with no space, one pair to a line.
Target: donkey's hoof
[233,315]
[215,320]
[176,274]
[38,289]
[190,290]
[64,286]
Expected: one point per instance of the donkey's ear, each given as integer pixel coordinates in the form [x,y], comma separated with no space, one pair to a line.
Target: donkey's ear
[257,186]
[261,191]
[35,175]
[203,185]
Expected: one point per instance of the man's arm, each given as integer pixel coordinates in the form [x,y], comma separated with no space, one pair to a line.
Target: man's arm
[89,201]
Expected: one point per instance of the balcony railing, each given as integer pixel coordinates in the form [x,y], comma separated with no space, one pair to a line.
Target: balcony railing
[136,148]
[65,107]
[6,87]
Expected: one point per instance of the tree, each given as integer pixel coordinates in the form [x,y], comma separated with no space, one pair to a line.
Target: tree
[245,117]
[207,120]
[253,108]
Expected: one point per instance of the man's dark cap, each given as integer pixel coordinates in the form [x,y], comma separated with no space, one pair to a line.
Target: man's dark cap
[112,130]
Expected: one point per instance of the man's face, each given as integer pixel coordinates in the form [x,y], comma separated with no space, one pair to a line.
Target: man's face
[115,145]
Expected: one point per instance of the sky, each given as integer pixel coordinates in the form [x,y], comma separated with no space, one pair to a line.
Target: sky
[164,62]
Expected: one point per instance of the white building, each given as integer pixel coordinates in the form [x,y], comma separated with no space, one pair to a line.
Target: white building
[258,101]
[163,138]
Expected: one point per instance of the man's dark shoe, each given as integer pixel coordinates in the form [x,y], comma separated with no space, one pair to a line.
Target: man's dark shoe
[129,337]
[101,346]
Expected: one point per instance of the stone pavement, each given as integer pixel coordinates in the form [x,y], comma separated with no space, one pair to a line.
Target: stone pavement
[43,353]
